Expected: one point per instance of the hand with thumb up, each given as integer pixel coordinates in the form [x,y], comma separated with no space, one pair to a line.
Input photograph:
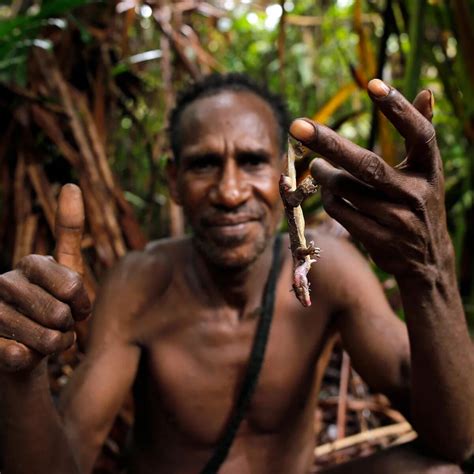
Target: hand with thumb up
[42,297]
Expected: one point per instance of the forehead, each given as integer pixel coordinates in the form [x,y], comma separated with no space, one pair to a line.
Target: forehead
[230,115]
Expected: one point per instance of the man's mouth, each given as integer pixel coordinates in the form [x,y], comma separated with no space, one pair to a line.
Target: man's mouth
[229,222]
[235,226]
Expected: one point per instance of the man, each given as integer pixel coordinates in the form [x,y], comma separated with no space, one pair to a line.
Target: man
[177,321]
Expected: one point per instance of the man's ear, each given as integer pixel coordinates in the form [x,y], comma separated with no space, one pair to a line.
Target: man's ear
[172,178]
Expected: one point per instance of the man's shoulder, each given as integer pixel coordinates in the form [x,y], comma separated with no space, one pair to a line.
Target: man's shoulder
[341,264]
[334,247]
[175,246]
[141,279]
[343,274]
[151,268]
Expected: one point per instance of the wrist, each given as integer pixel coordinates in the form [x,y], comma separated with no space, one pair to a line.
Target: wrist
[437,271]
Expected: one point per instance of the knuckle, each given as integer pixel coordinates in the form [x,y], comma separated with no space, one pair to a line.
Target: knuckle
[28,261]
[15,356]
[73,286]
[333,144]
[371,168]
[417,198]
[31,264]
[5,309]
[7,280]
[61,316]
[427,131]
[50,342]
[403,218]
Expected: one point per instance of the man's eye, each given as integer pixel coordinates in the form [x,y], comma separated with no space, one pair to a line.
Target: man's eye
[203,163]
[252,160]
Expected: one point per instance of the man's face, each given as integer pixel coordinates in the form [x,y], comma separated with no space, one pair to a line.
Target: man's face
[227,176]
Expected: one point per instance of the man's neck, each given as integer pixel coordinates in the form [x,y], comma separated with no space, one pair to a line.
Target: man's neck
[240,289]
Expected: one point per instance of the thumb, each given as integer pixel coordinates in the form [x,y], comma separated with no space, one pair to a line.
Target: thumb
[69,227]
[424,103]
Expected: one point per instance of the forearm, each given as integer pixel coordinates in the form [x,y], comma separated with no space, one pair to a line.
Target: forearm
[442,360]
[33,439]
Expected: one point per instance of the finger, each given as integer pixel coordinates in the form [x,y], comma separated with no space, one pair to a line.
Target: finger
[413,126]
[424,103]
[34,302]
[360,196]
[358,225]
[340,182]
[363,164]
[15,356]
[16,326]
[64,284]
[69,228]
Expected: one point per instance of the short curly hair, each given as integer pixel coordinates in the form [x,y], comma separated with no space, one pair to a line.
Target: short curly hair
[213,84]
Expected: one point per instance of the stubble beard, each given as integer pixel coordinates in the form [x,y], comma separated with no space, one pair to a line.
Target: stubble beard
[222,255]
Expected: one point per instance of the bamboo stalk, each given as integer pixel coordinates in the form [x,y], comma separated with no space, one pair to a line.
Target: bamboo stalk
[412,73]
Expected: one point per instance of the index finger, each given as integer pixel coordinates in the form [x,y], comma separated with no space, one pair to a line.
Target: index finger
[69,227]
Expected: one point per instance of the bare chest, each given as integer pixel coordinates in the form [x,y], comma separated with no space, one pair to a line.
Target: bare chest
[196,365]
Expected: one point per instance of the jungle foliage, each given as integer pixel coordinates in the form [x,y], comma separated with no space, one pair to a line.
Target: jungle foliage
[86,86]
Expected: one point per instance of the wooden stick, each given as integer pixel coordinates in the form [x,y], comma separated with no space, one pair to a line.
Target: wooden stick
[371,435]
[343,387]
[360,405]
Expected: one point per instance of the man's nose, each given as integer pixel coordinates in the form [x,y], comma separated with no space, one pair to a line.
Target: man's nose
[231,190]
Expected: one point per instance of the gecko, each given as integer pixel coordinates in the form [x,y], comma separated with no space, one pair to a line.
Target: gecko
[303,254]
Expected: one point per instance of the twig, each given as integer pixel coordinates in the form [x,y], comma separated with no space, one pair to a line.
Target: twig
[398,429]
[343,387]
[361,405]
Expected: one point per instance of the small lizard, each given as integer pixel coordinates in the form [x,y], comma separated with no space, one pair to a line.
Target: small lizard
[292,196]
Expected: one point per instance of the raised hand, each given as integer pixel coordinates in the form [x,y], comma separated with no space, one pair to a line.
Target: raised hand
[397,213]
[42,297]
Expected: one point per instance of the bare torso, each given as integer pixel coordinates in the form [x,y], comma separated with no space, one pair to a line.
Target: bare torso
[193,360]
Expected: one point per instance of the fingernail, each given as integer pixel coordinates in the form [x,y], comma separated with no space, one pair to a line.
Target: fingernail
[303,130]
[378,88]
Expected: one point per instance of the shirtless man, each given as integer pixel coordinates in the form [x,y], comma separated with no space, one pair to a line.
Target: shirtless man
[177,321]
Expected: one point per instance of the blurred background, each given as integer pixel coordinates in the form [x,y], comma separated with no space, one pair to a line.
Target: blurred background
[86,88]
